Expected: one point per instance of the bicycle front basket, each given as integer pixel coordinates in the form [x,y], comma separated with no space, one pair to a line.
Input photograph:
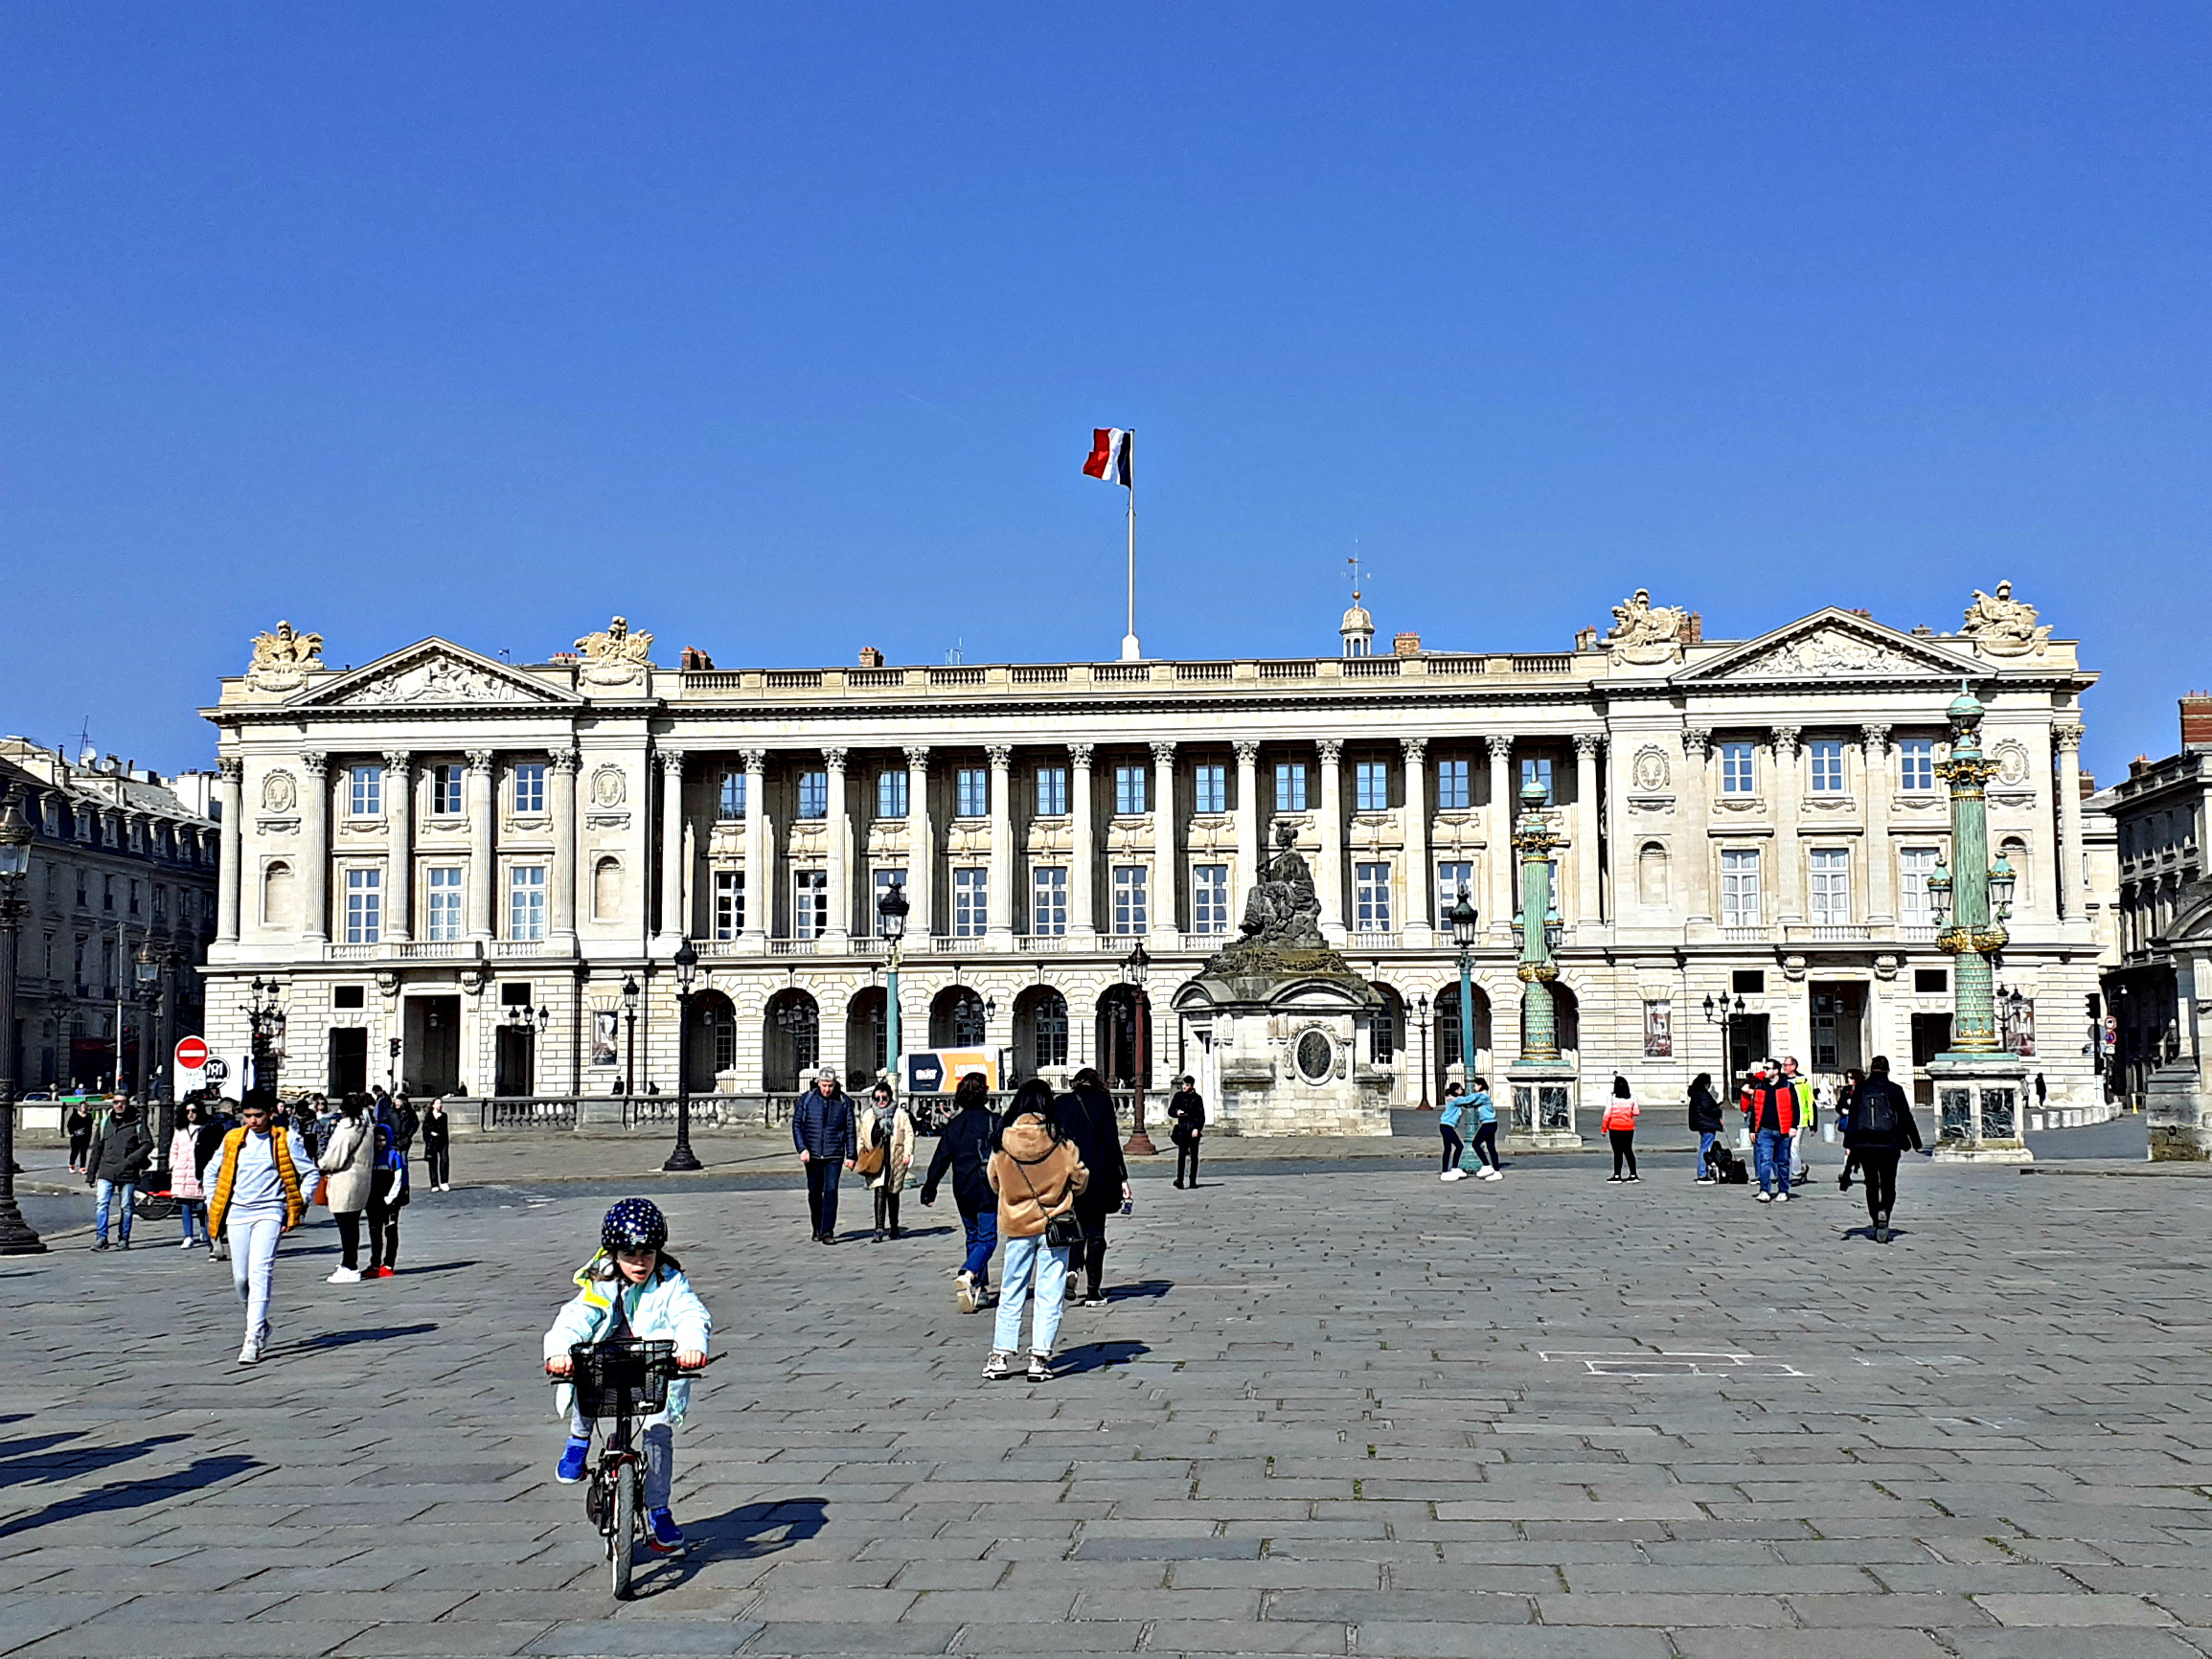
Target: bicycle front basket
[626,1378]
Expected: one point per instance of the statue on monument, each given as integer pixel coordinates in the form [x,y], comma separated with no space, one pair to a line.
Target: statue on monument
[1646,633]
[283,660]
[1283,910]
[2003,625]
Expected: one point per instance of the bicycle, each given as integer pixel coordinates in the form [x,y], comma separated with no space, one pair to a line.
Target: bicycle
[619,1381]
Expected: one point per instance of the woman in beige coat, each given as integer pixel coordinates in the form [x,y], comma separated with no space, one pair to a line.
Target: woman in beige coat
[1037,1173]
[349,1164]
[887,1125]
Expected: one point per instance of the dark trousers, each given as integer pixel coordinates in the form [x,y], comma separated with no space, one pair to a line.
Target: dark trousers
[1486,1143]
[383,1236]
[1878,1167]
[1187,1160]
[440,1162]
[1624,1150]
[349,1237]
[886,1206]
[1092,1251]
[982,1230]
[822,1194]
[1453,1146]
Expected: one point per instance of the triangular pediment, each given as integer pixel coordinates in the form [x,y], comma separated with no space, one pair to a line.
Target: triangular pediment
[433,674]
[1834,644]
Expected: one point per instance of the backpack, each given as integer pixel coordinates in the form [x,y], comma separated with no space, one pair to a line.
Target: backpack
[1874,1114]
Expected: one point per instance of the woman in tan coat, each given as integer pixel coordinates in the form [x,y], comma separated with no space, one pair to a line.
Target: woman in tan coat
[349,1164]
[1037,1176]
[888,1128]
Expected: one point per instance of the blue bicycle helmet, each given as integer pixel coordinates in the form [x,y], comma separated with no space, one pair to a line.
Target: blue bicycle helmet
[634,1224]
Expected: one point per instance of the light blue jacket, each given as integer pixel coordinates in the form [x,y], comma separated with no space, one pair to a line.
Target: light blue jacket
[667,1308]
[1485,1108]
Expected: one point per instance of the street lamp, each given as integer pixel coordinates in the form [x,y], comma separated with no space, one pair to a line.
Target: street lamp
[1134,968]
[1725,1015]
[266,1020]
[682,1158]
[891,927]
[16,1238]
[1420,1016]
[148,964]
[630,1017]
[1465,925]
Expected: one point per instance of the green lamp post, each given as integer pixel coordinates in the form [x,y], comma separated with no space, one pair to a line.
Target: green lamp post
[891,911]
[1543,1108]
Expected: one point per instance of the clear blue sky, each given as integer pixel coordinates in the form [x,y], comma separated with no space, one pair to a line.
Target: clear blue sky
[780,329]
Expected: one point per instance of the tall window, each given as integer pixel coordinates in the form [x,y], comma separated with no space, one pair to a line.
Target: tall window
[1916,765]
[1452,789]
[1048,901]
[107,892]
[970,902]
[529,787]
[1739,769]
[445,790]
[1538,768]
[1209,898]
[891,792]
[1914,866]
[809,903]
[1830,895]
[134,887]
[1371,897]
[1210,789]
[730,797]
[365,792]
[1130,895]
[1051,791]
[1450,877]
[1290,787]
[972,793]
[1827,761]
[1371,786]
[729,903]
[814,794]
[1129,790]
[1740,887]
[364,906]
[1051,1024]
[888,877]
[444,919]
[526,902]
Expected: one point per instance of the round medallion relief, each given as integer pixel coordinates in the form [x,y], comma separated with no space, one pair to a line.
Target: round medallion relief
[1317,1057]
[607,788]
[1650,770]
[278,793]
[2011,764]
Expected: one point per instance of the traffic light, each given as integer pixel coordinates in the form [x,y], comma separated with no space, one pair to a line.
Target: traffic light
[394,1047]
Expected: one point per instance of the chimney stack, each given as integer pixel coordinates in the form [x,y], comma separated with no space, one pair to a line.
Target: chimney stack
[872,658]
[1404,646]
[2196,720]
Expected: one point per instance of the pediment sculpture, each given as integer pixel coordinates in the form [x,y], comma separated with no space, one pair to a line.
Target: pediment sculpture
[1644,633]
[614,657]
[435,679]
[1828,650]
[2005,626]
[283,660]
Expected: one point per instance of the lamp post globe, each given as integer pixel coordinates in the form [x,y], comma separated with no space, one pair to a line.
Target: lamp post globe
[16,1237]
[681,1158]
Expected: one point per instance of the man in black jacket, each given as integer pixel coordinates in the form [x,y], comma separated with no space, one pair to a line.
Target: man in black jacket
[822,1131]
[1086,1114]
[1882,1128]
[964,1146]
[121,1151]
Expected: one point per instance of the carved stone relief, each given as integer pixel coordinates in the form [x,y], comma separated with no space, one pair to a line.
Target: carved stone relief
[283,660]
[435,679]
[2005,626]
[279,793]
[608,788]
[1829,651]
[1648,771]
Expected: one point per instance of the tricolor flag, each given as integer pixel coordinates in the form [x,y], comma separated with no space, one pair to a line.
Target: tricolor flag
[1110,451]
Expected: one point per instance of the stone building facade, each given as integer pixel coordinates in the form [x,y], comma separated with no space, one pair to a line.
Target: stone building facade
[438,851]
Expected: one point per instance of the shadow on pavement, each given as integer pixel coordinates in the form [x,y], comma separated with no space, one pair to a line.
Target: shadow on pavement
[1143,1288]
[742,1534]
[21,1462]
[201,1473]
[330,1339]
[1097,1357]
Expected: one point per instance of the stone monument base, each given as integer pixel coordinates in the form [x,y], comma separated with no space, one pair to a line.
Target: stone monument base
[2178,1114]
[1980,1104]
[1284,1057]
[1539,1108]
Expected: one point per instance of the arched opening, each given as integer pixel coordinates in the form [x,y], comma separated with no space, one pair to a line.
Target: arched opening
[866,1033]
[1653,879]
[1446,1048]
[607,890]
[277,896]
[710,1044]
[957,1019]
[1040,1030]
[792,1040]
[1117,1036]
[2015,853]
[1387,1031]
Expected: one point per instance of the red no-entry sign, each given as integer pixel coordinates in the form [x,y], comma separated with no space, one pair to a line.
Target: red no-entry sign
[190,1054]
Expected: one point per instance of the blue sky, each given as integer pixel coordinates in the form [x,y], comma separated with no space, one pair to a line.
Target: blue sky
[782,329]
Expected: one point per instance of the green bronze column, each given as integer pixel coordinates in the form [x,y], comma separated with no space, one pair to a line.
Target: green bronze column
[1973,934]
[1534,840]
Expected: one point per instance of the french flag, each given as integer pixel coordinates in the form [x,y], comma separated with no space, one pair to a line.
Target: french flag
[1111,453]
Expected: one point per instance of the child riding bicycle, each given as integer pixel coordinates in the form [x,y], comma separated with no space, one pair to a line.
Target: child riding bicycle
[632,1289]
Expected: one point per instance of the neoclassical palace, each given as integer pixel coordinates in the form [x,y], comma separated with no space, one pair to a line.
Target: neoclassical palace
[454,866]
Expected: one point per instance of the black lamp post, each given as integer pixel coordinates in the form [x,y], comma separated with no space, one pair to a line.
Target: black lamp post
[16,1239]
[1466,924]
[629,1019]
[1421,1007]
[891,927]
[265,1019]
[682,1159]
[1723,1016]
[147,966]
[532,1021]
[1136,966]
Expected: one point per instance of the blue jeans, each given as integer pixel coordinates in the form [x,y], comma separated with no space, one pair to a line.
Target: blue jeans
[1030,1261]
[104,1194]
[1707,1139]
[192,1212]
[982,1239]
[1770,1157]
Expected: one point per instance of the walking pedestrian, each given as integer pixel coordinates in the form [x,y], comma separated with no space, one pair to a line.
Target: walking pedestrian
[822,1131]
[184,1184]
[1484,1111]
[1037,1176]
[438,1147]
[221,1119]
[256,1201]
[1808,1115]
[388,1194]
[1187,1111]
[887,1143]
[120,1153]
[1705,1124]
[1619,1122]
[964,1148]
[1882,1128]
[78,1122]
[1085,1115]
[1771,1114]
[348,1167]
[1448,1119]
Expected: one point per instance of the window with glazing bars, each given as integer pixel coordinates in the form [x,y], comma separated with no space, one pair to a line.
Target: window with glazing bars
[1129,790]
[1916,765]
[1209,898]
[970,902]
[365,795]
[1371,897]
[443,919]
[529,786]
[972,793]
[526,902]
[891,792]
[729,903]
[1739,769]
[730,797]
[1451,875]
[1452,786]
[446,789]
[1130,895]
[364,906]
[809,903]
[1290,787]
[1831,894]
[1210,789]
[1048,901]
[1740,887]
[1051,791]
[814,794]
[1371,786]
[1826,758]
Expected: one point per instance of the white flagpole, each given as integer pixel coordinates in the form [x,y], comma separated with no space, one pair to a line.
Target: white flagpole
[1130,650]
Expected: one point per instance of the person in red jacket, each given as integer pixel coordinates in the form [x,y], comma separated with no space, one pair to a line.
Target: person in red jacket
[1771,1115]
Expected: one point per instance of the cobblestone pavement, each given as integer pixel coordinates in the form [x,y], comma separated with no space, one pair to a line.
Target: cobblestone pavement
[1352,1411]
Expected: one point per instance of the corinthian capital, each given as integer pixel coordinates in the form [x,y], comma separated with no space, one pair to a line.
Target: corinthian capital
[1785,741]
[1587,744]
[1500,748]
[1416,750]
[1247,753]
[2066,739]
[480,760]
[1331,751]
[565,759]
[1080,754]
[398,763]
[1001,756]
[1876,738]
[918,758]
[232,768]
[1163,754]
[314,762]
[672,761]
[1697,744]
[834,758]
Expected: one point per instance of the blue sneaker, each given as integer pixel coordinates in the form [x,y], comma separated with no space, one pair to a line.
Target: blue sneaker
[662,1532]
[570,1469]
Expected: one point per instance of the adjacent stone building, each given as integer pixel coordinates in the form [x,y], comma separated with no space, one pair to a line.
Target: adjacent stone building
[440,852]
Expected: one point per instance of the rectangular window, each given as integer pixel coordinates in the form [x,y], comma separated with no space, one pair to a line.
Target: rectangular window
[136,831]
[1453,791]
[1450,877]
[1290,787]
[886,878]
[1130,895]
[107,892]
[970,902]
[135,895]
[1914,866]
[1210,789]
[1916,766]
[1827,759]
[1538,768]
[972,793]
[1739,769]
[526,902]
[1129,790]
[1740,887]
[160,902]
[445,790]
[1051,791]
[364,906]
[891,793]
[1210,898]
[730,797]
[529,787]
[83,899]
[1371,899]
[729,903]
[1830,895]
[1048,901]
[809,903]
[365,792]
[445,912]
[814,794]
[1371,786]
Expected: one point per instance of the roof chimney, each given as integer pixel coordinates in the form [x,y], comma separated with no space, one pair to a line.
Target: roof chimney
[1405,645]
[2196,720]
[870,657]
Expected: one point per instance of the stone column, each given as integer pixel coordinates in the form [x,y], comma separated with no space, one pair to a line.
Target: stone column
[760,857]
[2067,742]
[1420,878]
[1329,879]
[999,925]
[230,875]
[398,846]
[1881,862]
[839,829]
[1788,857]
[921,848]
[1082,899]
[1694,856]
[560,925]
[1590,905]
[1248,822]
[483,847]
[1498,836]
[1167,913]
[673,922]
[314,847]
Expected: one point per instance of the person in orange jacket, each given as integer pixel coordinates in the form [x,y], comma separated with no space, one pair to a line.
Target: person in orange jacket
[1619,1123]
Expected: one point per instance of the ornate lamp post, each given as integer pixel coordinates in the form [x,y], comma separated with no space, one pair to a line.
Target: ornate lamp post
[525,1018]
[629,1021]
[148,966]
[681,1158]
[16,1239]
[891,927]
[1464,925]
[1724,1014]
[1542,1082]
[1134,968]
[266,1020]
[1421,1017]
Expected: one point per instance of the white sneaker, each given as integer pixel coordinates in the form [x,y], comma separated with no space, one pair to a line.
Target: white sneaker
[964,1294]
[1452,1175]
[250,1354]
[345,1276]
[1493,1174]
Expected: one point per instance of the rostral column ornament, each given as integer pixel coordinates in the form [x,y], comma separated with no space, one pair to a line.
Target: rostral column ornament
[615,656]
[1644,633]
[2005,626]
[283,660]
